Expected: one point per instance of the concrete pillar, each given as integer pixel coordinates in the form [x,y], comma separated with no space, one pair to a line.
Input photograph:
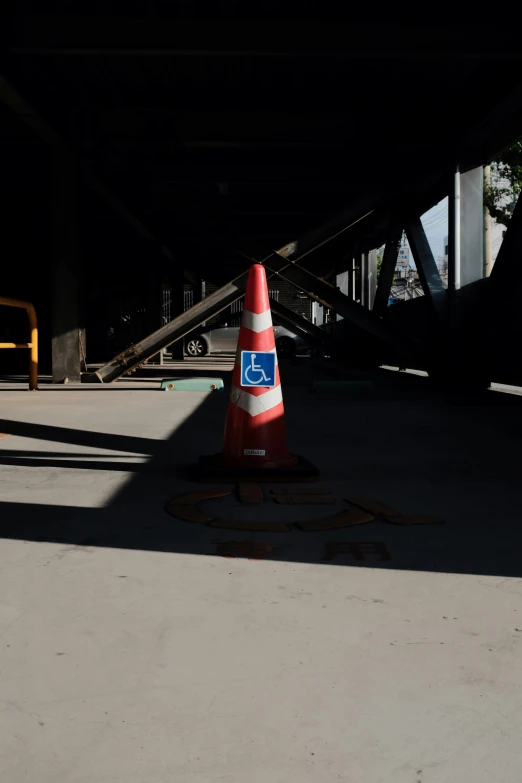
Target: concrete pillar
[471,226]
[469,339]
[317,314]
[488,228]
[365,291]
[368,278]
[67,326]
[351,280]
[177,306]
[342,281]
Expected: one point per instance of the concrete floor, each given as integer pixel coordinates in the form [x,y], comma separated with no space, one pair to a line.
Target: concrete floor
[131,652]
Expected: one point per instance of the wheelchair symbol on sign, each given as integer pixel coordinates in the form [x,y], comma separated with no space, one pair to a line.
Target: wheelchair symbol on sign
[253,368]
[260,372]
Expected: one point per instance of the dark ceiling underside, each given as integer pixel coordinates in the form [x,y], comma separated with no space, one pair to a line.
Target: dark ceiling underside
[250,132]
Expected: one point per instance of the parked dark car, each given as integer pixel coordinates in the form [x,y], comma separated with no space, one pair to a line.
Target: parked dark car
[223,339]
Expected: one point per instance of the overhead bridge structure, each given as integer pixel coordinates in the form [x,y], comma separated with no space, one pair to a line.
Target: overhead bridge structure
[168,144]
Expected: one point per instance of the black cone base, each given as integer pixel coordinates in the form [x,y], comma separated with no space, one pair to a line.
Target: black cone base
[209,468]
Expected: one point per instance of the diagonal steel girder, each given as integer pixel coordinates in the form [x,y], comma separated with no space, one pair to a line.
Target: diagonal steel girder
[179,327]
[501,314]
[429,274]
[225,296]
[389,264]
[279,262]
[317,288]
[283,262]
[331,297]
[10,96]
[297,323]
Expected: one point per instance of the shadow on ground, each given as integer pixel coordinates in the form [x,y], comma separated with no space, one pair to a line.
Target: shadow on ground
[458,458]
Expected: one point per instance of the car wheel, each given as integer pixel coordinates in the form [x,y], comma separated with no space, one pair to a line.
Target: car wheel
[285,346]
[196,346]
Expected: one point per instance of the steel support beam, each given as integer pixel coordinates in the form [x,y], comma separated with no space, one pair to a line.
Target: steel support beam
[65,271]
[329,296]
[297,323]
[368,278]
[176,329]
[427,268]
[119,208]
[356,261]
[337,225]
[315,287]
[342,282]
[280,262]
[283,263]
[59,34]
[471,226]
[180,326]
[388,266]
[19,106]
[504,289]
[232,291]
[454,218]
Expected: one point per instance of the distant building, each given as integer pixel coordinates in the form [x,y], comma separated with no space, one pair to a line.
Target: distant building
[442,263]
[403,262]
[406,284]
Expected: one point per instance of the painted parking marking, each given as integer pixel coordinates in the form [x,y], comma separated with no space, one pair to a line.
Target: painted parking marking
[357,549]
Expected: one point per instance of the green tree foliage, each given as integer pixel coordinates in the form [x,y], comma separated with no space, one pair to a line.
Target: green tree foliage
[506,183]
[380,255]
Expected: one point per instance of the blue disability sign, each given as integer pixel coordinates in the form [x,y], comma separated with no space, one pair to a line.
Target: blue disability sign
[258,368]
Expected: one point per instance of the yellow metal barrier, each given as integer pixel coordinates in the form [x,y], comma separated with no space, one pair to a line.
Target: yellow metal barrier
[33,345]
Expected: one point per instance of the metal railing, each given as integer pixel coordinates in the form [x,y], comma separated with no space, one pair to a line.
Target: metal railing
[33,344]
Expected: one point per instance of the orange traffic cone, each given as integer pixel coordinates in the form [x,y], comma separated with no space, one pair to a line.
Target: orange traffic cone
[255,432]
[255,442]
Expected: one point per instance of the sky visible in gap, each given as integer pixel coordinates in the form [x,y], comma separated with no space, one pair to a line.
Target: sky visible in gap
[435,222]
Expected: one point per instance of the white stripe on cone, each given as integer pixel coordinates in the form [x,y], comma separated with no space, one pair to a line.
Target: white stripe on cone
[254,405]
[257,322]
